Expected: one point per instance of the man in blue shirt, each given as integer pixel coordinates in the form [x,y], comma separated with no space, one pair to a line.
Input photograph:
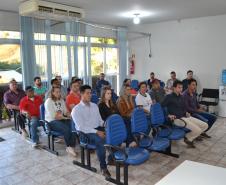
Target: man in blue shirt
[192,106]
[100,83]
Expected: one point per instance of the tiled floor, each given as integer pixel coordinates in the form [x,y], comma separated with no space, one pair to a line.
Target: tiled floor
[22,165]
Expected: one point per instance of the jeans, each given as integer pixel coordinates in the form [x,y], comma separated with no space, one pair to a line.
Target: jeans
[64,127]
[148,116]
[127,122]
[34,124]
[206,117]
[100,150]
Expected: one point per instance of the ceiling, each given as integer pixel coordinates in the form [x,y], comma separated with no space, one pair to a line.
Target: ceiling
[112,12]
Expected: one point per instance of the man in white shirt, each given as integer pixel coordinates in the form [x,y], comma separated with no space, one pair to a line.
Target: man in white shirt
[169,83]
[87,119]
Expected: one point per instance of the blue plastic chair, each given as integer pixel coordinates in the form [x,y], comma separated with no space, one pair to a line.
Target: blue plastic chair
[163,128]
[115,136]
[95,99]
[135,84]
[51,134]
[139,126]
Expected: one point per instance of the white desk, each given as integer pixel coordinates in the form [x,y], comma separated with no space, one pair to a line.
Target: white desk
[194,173]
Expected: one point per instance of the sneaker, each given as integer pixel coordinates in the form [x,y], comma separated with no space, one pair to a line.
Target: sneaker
[24,134]
[133,144]
[71,151]
[199,138]
[59,140]
[204,134]
[190,144]
[34,145]
[105,173]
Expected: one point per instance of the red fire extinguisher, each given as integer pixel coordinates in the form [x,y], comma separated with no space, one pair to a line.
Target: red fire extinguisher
[132,64]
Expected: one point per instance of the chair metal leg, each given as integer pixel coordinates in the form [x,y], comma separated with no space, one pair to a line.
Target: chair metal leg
[49,148]
[82,163]
[168,152]
[117,179]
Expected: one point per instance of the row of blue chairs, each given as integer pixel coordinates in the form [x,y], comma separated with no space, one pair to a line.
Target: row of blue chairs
[116,135]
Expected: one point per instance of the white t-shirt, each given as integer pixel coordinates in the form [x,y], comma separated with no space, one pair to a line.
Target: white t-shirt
[144,101]
[52,107]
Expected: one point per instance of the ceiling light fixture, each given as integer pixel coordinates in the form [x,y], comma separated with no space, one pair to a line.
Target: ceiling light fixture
[136,19]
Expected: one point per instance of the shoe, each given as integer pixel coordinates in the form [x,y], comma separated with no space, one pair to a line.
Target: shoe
[190,144]
[204,134]
[105,173]
[71,151]
[24,134]
[35,145]
[199,138]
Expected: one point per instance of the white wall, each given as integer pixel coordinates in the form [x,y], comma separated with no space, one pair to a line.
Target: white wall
[9,21]
[197,44]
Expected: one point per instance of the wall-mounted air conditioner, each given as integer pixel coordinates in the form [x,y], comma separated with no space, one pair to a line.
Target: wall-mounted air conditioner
[48,10]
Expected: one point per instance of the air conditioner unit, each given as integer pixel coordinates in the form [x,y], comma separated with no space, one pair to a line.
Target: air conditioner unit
[48,10]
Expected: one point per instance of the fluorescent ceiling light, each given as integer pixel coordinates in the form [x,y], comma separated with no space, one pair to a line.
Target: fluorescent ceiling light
[136,19]
[141,13]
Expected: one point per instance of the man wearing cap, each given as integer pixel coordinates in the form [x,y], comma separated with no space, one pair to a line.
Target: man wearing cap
[12,99]
[29,106]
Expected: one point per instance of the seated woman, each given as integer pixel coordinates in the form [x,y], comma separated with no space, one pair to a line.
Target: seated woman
[59,118]
[125,106]
[127,81]
[144,101]
[106,105]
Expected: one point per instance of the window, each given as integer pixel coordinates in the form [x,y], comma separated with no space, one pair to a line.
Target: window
[10,63]
[112,65]
[97,60]
[103,40]
[57,37]
[81,62]
[39,36]
[9,35]
[41,60]
[59,61]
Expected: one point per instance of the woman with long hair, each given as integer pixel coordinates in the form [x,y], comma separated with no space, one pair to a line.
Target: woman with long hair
[106,105]
[125,106]
[59,119]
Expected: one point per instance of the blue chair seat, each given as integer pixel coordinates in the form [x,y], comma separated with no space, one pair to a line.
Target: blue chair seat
[172,134]
[88,146]
[56,134]
[136,156]
[159,144]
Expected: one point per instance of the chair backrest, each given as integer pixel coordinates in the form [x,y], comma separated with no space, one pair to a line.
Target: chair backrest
[139,121]
[115,130]
[42,112]
[157,115]
[134,84]
[210,93]
[95,99]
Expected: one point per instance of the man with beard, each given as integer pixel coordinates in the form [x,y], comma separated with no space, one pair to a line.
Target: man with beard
[39,89]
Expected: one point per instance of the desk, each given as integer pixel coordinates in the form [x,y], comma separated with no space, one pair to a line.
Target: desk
[194,173]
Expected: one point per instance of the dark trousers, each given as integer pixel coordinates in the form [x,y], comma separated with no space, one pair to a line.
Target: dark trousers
[100,150]
[130,138]
[206,117]
[64,127]
[21,119]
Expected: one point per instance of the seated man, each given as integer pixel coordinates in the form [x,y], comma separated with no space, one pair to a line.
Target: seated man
[192,106]
[151,79]
[100,83]
[177,113]
[12,99]
[74,96]
[29,106]
[87,119]
[157,93]
[55,83]
[185,81]
[169,83]
[39,89]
